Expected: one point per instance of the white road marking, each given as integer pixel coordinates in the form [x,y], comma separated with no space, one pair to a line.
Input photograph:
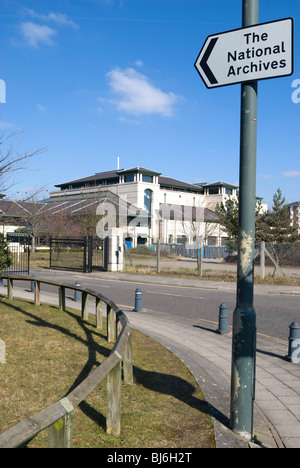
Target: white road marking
[174,295]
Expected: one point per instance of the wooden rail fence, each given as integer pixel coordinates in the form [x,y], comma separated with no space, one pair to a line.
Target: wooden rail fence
[59,417]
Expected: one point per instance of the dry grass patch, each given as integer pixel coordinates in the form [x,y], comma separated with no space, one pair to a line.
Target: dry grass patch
[208,274]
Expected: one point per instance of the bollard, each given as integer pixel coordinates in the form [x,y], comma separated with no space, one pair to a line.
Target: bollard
[77,293]
[138,300]
[223,320]
[294,344]
[33,283]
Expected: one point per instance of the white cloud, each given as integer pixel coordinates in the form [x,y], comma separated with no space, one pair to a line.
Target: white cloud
[41,108]
[61,19]
[129,121]
[266,176]
[58,18]
[137,95]
[35,34]
[291,174]
[139,63]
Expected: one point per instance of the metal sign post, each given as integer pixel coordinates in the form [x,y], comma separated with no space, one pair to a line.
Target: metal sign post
[246,55]
[244,317]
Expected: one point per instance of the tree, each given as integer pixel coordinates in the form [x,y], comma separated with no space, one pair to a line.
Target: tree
[11,160]
[59,224]
[5,259]
[274,227]
[228,214]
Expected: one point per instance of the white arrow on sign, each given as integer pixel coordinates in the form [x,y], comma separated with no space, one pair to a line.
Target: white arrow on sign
[247,54]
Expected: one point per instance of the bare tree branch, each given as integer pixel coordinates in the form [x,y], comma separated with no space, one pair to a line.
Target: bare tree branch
[11,160]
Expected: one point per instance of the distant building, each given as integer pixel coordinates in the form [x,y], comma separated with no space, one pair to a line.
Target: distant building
[145,205]
[160,206]
[295,214]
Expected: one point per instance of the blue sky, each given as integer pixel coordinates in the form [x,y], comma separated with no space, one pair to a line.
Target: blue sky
[95,80]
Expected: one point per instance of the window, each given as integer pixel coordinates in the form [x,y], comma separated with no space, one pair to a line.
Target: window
[129,178]
[147,178]
[228,191]
[147,200]
[213,191]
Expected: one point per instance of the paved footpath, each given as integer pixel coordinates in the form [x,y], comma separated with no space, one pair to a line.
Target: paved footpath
[208,357]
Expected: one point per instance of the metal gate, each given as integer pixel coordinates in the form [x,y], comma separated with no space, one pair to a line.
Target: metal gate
[82,254]
[19,249]
[97,253]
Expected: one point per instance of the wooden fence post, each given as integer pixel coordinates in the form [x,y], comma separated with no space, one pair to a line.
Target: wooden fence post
[127,361]
[84,305]
[10,292]
[111,325]
[113,416]
[37,296]
[99,305]
[119,327]
[60,434]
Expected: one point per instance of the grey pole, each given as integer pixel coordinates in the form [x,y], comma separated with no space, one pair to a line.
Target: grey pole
[244,317]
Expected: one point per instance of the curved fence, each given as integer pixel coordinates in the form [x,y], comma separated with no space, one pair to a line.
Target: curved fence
[59,417]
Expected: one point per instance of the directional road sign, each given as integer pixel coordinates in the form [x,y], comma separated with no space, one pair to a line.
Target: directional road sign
[247,54]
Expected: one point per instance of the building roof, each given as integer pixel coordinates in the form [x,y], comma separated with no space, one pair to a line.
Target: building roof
[140,170]
[93,178]
[111,175]
[295,203]
[216,184]
[170,182]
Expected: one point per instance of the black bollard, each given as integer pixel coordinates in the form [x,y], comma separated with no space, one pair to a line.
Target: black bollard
[33,282]
[294,344]
[223,320]
[138,300]
[77,294]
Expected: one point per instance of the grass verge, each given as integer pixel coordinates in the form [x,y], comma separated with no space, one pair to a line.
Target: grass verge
[49,352]
[208,275]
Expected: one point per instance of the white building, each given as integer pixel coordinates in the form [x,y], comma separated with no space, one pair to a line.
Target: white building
[295,214]
[157,206]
